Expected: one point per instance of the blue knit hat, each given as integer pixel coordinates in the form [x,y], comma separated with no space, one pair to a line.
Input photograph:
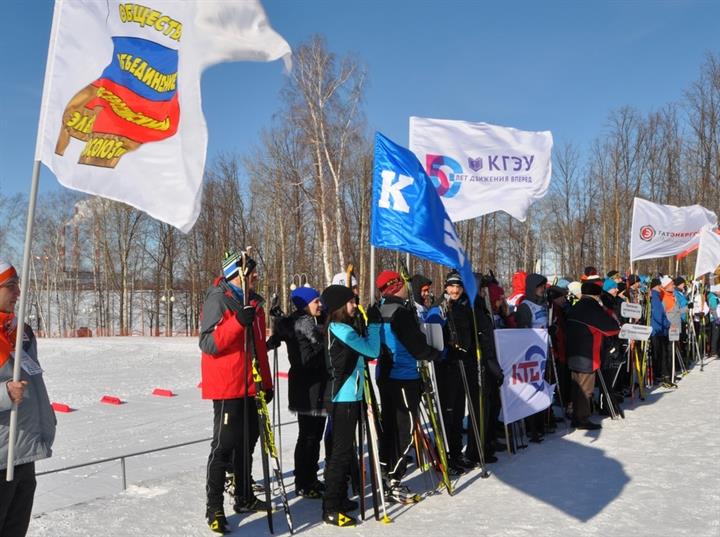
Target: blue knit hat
[231,264]
[302,296]
[609,285]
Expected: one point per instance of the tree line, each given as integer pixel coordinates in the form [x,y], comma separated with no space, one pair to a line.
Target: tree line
[301,199]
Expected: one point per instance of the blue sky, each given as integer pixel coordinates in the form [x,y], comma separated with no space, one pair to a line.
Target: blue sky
[549,65]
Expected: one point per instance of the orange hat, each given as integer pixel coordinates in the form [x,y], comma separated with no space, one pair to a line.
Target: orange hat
[7,272]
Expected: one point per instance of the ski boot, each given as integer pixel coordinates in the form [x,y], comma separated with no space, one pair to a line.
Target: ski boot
[217,522]
[337,518]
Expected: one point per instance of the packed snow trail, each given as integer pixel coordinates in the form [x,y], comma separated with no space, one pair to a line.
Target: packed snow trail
[654,473]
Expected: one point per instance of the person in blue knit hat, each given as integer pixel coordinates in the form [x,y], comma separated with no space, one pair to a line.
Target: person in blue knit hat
[303,334]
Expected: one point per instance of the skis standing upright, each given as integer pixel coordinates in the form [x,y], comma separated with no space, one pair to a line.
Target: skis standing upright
[369,418]
[267,437]
[431,399]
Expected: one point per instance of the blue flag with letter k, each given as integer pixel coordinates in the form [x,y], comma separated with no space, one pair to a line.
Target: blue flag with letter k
[408,215]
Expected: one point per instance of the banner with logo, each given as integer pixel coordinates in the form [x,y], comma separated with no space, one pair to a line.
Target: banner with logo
[522,354]
[121,113]
[708,257]
[478,168]
[407,214]
[665,230]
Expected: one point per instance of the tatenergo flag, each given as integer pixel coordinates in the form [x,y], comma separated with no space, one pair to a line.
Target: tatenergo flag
[479,168]
[121,112]
[407,213]
[665,230]
[708,256]
[522,355]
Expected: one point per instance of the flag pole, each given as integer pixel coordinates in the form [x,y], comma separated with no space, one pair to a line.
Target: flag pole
[371,294]
[21,314]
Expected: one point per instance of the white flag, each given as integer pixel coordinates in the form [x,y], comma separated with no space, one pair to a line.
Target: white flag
[522,354]
[478,168]
[708,256]
[121,113]
[665,230]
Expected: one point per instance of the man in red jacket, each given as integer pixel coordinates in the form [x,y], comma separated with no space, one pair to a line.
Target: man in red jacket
[233,324]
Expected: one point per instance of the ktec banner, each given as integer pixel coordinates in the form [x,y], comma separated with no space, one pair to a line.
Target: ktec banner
[522,354]
[478,168]
[665,230]
[121,113]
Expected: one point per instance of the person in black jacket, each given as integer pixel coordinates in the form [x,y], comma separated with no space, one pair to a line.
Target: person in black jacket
[588,322]
[398,377]
[491,377]
[307,381]
[460,346]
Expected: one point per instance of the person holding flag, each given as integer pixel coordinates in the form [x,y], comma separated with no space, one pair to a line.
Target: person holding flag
[398,378]
[36,419]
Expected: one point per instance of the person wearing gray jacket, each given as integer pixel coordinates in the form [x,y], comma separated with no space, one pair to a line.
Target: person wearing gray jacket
[35,417]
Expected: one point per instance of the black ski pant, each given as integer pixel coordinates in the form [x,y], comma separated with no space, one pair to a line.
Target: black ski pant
[661,357]
[344,418]
[228,448]
[471,372]
[714,338]
[452,401]
[399,400]
[16,500]
[307,449]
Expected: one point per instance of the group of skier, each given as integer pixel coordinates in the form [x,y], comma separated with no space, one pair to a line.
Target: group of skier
[437,375]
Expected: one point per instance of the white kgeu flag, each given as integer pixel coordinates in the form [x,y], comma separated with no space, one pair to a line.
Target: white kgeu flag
[665,230]
[478,168]
[522,354]
[708,254]
[121,112]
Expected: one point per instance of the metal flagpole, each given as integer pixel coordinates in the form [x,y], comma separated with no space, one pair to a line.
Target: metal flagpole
[371,297]
[25,273]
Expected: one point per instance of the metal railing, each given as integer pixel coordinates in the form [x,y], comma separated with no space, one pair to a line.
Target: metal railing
[122,458]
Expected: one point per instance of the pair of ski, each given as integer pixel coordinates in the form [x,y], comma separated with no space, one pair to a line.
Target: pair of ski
[368,434]
[268,448]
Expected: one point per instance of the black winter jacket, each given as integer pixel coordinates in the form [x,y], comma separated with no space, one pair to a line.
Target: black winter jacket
[588,323]
[308,375]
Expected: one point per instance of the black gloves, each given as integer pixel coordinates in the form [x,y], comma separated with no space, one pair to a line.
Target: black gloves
[373,315]
[273,342]
[246,316]
[250,265]
[269,394]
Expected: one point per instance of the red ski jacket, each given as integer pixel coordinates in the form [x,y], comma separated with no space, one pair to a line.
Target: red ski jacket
[226,365]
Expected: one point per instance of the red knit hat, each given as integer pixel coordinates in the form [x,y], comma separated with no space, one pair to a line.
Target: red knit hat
[389,282]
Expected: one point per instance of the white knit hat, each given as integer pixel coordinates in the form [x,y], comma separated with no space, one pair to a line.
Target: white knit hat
[575,289]
[665,281]
[341,279]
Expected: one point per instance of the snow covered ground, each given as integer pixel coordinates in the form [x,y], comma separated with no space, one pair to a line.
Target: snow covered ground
[655,473]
